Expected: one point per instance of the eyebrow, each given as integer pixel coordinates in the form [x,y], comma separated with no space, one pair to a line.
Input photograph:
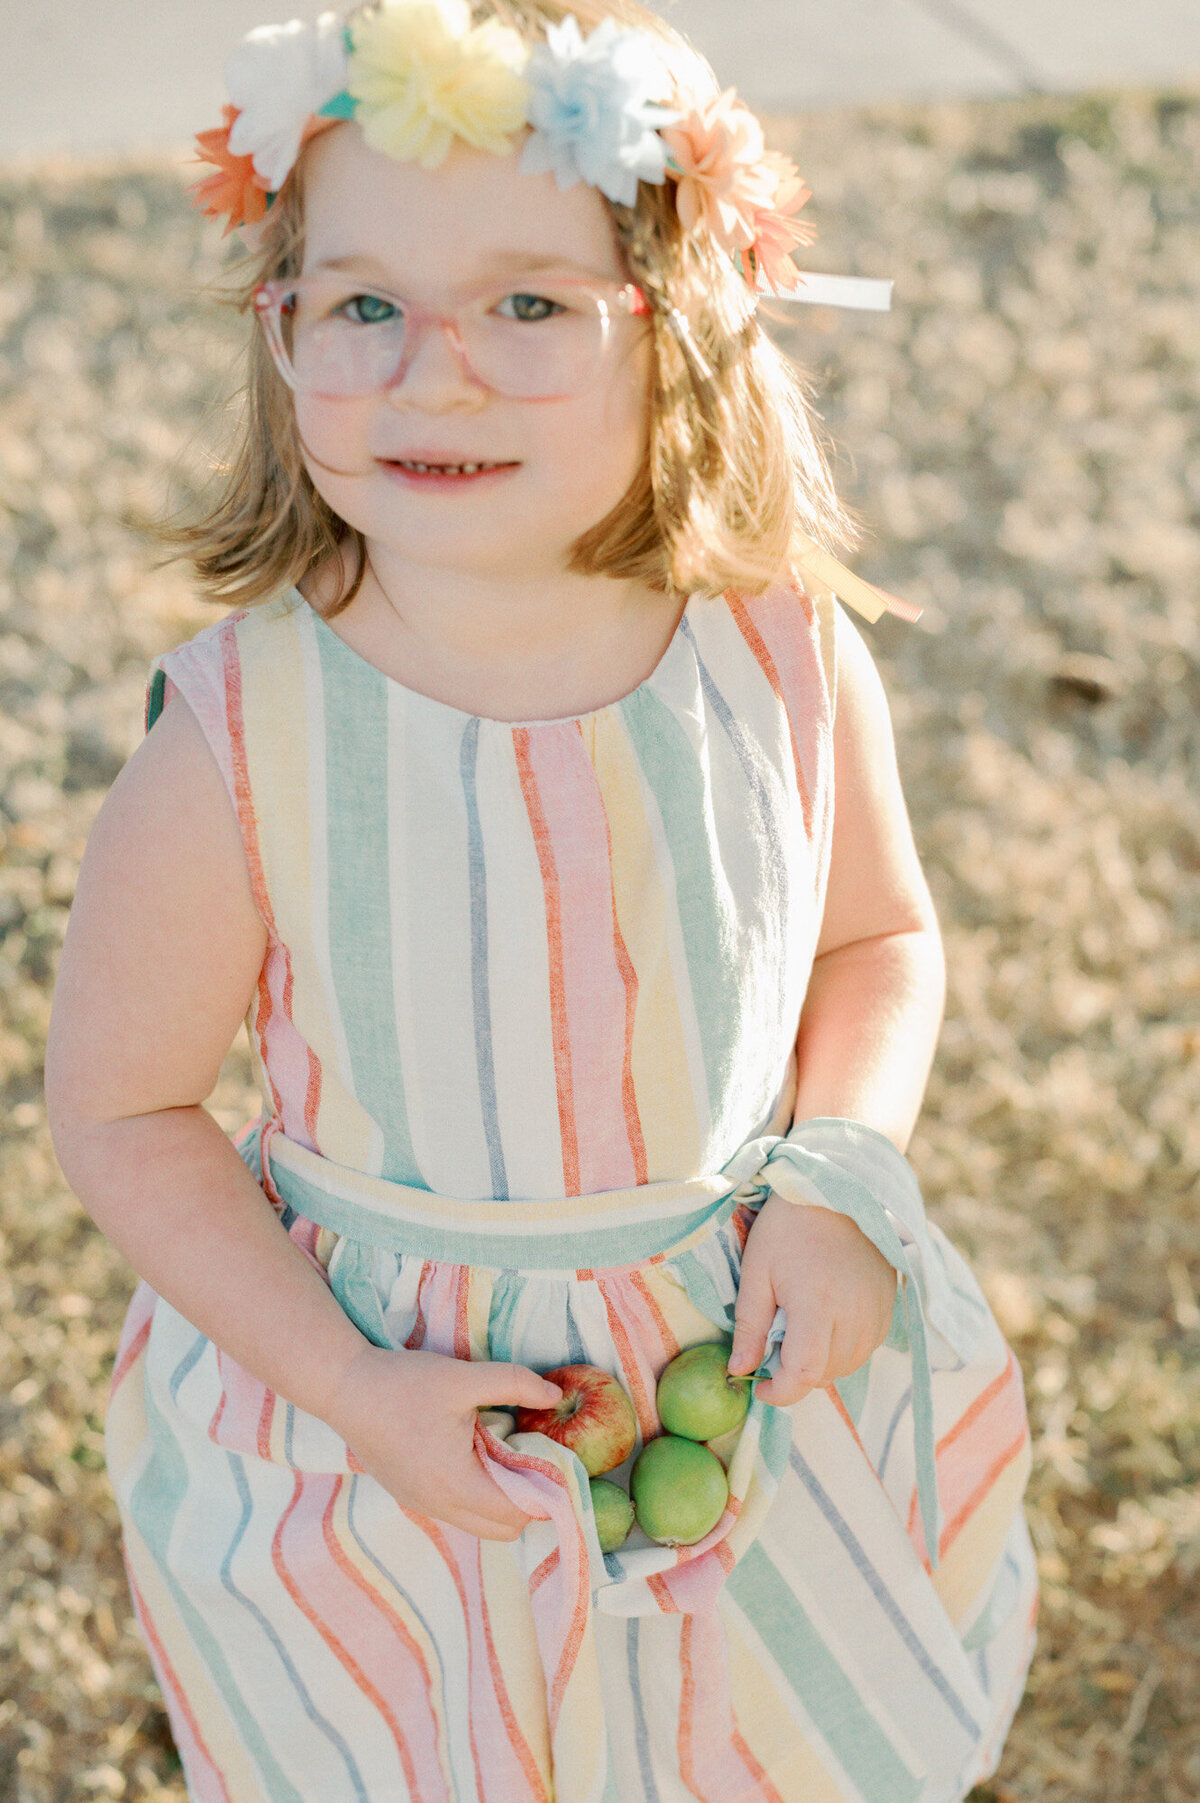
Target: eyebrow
[503,262]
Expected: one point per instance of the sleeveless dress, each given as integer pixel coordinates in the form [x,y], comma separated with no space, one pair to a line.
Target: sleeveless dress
[525,1038]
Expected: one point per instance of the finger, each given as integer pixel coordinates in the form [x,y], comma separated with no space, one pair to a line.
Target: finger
[478,1492]
[476,1504]
[491,1385]
[849,1347]
[504,1521]
[855,1339]
[887,1310]
[803,1361]
[753,1315]
[487,1532]
[482,1526]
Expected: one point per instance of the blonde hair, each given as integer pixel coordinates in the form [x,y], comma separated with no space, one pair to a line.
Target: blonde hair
[735,472]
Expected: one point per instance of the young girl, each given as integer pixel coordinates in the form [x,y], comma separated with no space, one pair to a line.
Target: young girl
[537,809]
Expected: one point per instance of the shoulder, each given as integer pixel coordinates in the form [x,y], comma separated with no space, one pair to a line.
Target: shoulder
[807,616]
[165,941]
[164,867]
[205,666]
[788,626]
[174,799]
[862,707]
[212,704]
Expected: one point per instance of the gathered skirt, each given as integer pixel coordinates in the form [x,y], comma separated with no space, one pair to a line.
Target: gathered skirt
[856,1629]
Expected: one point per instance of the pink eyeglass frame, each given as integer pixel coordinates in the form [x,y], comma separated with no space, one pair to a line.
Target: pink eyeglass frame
[268,298]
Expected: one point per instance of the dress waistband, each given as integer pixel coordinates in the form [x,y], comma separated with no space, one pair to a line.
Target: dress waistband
[568,1233]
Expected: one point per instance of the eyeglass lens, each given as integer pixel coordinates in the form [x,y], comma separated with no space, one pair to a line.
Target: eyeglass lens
[342,340]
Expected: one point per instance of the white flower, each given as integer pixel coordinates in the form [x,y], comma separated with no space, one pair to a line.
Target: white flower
[277,77]
[593,109]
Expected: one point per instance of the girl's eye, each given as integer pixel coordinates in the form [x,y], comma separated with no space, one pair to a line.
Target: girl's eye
[368,309]
[529,307]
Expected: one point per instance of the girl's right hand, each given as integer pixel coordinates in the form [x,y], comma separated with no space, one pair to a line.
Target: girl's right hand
[410,1419]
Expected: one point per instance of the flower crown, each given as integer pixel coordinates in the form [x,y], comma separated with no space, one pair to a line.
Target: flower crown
[416,74]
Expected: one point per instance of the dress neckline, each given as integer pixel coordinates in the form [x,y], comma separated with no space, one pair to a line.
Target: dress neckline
[325,630]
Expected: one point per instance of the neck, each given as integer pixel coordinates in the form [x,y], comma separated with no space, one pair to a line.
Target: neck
[478,622]
[542,649]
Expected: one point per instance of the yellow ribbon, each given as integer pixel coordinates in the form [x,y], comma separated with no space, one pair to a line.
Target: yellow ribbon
[862,596]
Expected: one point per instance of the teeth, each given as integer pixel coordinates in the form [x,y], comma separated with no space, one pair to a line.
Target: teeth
[456,469]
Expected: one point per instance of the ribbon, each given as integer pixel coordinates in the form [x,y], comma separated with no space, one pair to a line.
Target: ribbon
[862,292]
[863,597]
[855,1171]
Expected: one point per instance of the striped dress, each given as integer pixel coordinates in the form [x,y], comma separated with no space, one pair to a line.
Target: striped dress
[524,1034]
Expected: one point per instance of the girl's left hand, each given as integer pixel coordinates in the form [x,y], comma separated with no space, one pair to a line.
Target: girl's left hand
[837,1289]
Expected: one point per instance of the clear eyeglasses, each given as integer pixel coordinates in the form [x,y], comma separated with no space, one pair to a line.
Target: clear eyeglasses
[330,335]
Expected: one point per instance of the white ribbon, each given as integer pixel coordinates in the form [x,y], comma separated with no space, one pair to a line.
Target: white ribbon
[858,291]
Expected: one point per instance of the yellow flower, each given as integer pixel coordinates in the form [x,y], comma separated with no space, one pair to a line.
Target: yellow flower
[421,75]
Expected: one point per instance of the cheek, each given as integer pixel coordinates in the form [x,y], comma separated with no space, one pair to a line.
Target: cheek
[333,438]
[631,390]
[615,435]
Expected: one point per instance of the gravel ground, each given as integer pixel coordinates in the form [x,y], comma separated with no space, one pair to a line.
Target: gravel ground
[1021,434]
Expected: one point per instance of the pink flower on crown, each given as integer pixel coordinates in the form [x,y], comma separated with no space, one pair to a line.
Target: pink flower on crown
[725,179]
[776,232]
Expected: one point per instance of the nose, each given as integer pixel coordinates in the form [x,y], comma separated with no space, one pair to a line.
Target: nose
[433,376]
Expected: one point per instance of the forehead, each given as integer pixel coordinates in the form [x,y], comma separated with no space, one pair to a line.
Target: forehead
[465,219]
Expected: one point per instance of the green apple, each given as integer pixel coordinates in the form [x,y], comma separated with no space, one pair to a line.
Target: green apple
[613,1511]
[696,1395]
[679,1490]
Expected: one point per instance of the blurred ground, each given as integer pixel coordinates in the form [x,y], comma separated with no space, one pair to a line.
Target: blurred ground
[1022,435]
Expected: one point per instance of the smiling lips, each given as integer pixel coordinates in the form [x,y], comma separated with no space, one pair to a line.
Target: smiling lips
[428,472]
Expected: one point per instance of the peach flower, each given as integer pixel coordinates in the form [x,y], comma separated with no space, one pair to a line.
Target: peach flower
[776,233]
[718,158]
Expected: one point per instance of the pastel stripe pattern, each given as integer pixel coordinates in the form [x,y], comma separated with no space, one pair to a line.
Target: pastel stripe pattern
[525,1037]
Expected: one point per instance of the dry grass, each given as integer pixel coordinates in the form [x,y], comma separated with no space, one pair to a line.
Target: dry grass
[1025,440]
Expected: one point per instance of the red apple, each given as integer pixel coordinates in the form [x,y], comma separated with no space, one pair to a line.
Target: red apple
[595,1417]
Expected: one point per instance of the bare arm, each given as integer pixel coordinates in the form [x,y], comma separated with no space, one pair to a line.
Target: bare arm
[867,1034]
[162,953]
[163,950]
[874,1005]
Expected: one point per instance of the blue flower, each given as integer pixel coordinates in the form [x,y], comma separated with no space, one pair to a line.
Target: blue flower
[593,109]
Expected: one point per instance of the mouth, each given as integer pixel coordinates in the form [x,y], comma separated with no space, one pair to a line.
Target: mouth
[426,472]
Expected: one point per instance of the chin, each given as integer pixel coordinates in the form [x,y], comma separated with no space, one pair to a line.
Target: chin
[485,550]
